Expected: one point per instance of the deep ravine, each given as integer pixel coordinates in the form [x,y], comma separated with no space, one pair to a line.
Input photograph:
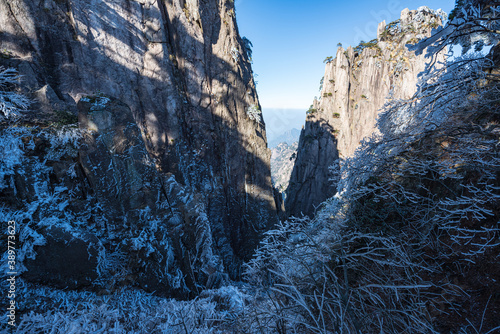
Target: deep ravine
[135,180]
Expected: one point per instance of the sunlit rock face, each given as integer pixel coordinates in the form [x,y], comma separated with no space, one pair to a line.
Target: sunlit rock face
[180,73]
[357,84]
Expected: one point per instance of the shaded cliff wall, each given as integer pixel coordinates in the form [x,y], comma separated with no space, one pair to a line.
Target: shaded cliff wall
[181,71]
[357,84]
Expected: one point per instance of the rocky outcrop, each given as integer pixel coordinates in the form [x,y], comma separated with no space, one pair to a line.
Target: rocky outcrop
[172,140]
[357,84]
[65,260]
[282,161]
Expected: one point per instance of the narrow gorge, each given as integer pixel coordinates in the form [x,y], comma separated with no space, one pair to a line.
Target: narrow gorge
[137,193]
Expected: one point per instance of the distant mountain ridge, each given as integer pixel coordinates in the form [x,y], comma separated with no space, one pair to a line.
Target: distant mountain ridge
[289,137]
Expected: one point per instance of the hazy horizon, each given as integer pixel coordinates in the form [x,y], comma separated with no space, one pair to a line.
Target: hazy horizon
[280,120]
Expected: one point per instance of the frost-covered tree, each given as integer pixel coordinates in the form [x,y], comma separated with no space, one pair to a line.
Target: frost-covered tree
[11,102]
[473,23]
[254,113]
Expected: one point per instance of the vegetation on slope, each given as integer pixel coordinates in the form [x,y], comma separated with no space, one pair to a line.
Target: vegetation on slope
[410,244]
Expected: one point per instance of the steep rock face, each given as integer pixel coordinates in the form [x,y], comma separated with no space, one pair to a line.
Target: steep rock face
[357,84]
[181,95]
[282,161]
[114,159]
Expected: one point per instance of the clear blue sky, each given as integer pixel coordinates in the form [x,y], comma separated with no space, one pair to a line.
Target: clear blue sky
[291,38]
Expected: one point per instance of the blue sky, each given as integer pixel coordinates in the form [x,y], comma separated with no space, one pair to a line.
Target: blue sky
[291,38]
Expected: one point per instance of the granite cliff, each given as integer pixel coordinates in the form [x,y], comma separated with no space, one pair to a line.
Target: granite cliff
[356,85]
[282,161]
[144,146]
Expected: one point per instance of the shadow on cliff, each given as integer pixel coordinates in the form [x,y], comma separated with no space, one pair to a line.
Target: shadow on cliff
[311,181]
[209,148]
